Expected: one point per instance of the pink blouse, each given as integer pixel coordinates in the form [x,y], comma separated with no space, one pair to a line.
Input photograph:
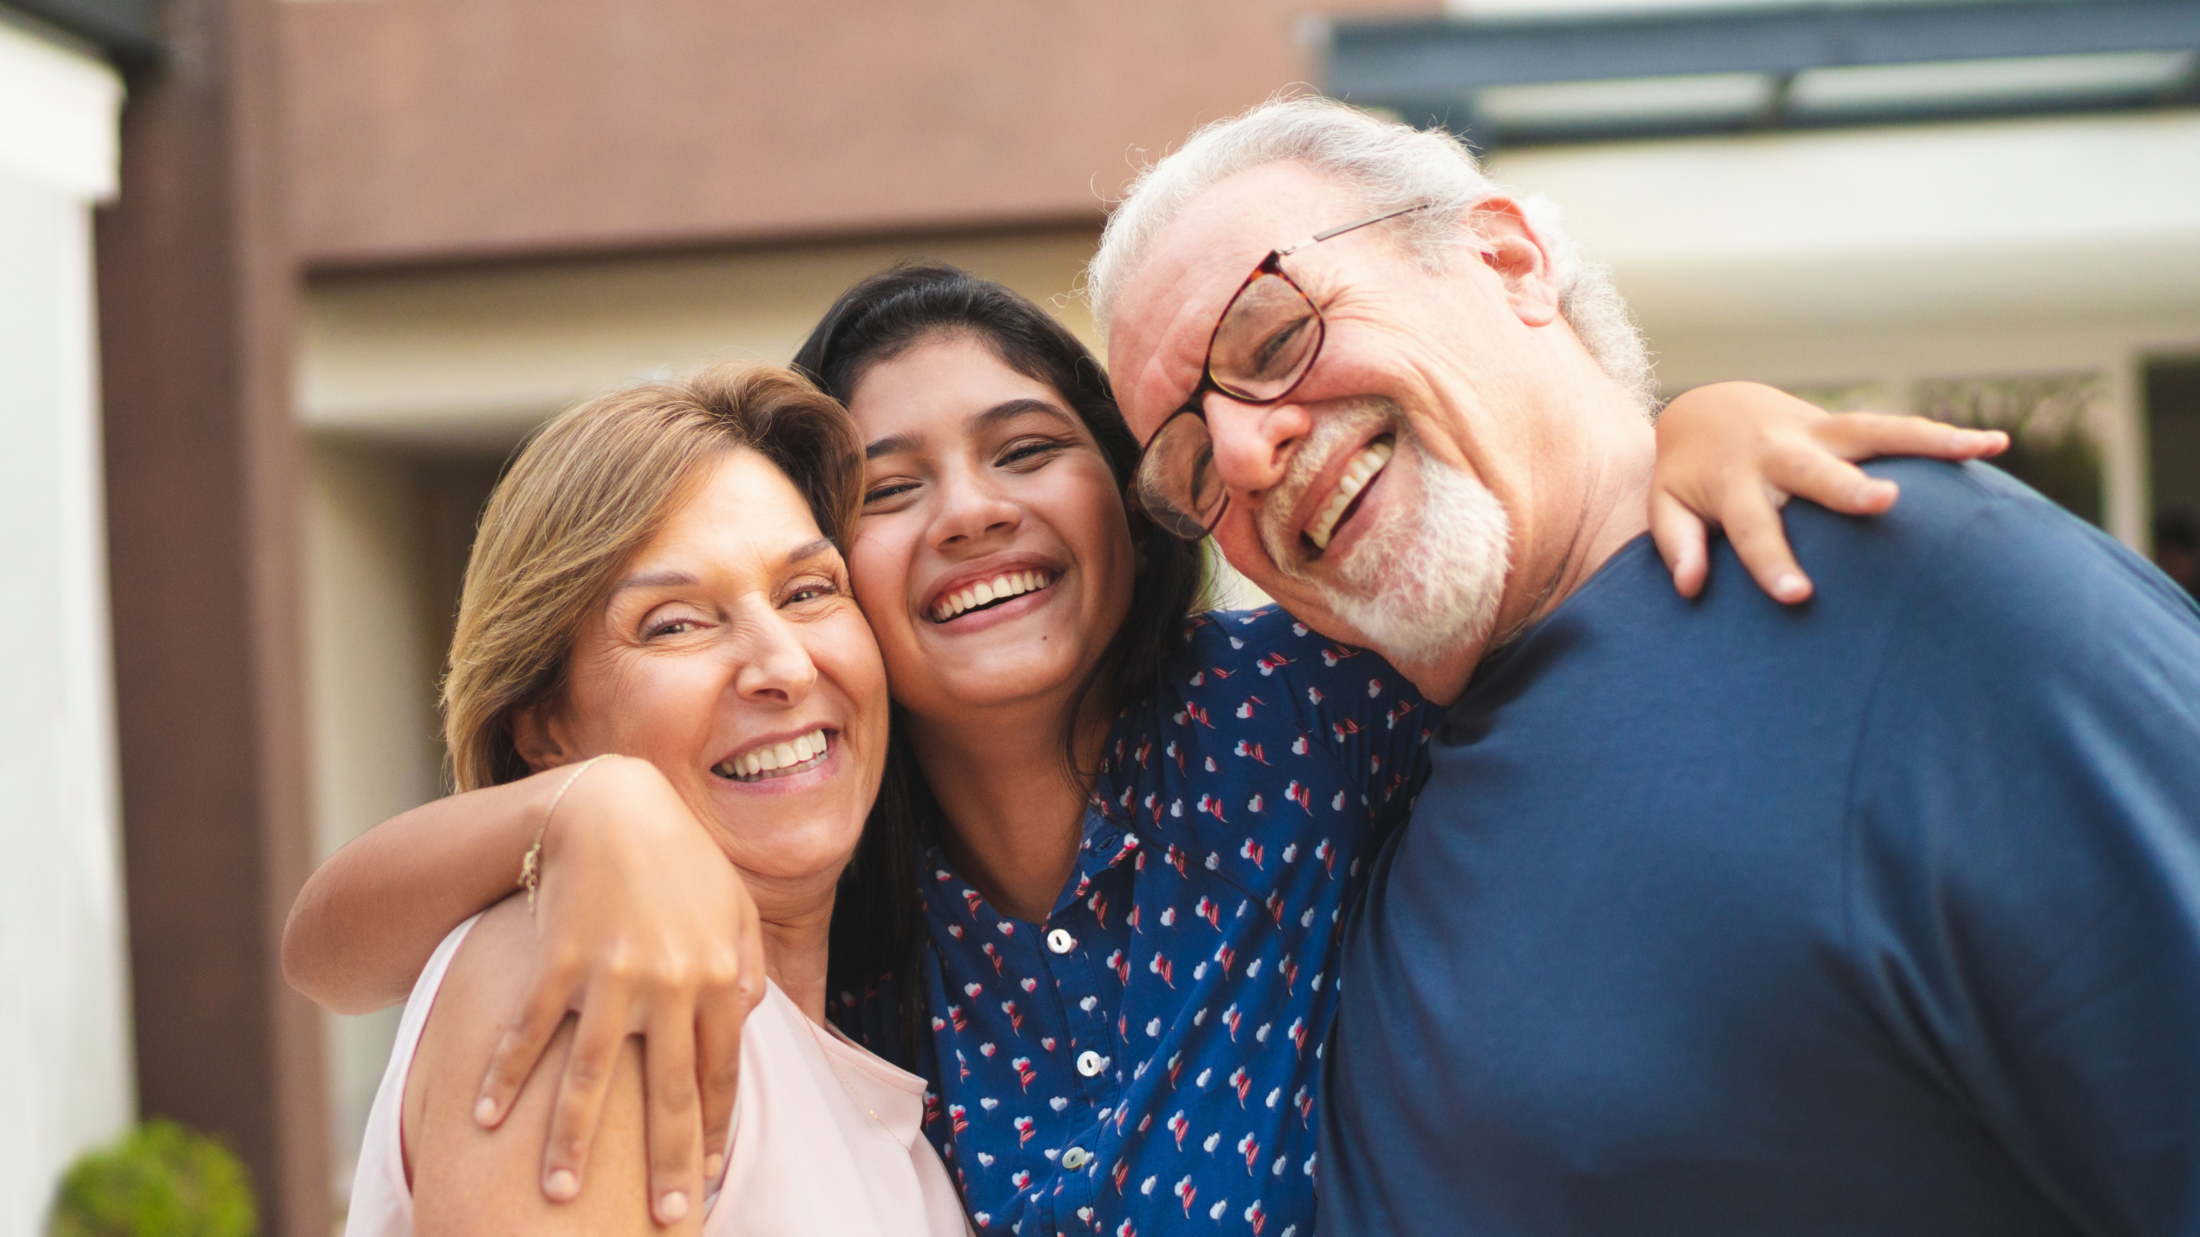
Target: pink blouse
[806,1154]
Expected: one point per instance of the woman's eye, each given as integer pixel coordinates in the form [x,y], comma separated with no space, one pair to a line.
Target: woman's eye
[672,627]
[812,592]
[887,490]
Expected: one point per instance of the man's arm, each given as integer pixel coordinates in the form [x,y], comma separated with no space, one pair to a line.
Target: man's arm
[2027,859]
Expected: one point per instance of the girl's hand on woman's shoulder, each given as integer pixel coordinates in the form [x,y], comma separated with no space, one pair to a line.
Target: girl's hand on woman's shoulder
[645,929]
[1733,453]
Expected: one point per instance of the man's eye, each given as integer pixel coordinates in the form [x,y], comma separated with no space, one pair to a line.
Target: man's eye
[1280,350]
[812,592]
[1204,482]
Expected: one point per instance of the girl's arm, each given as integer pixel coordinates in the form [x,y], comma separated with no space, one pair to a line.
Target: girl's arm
[643,928]
[1733,453]
[467,1180]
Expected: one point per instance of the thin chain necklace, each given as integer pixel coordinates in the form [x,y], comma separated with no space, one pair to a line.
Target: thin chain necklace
[845,1085]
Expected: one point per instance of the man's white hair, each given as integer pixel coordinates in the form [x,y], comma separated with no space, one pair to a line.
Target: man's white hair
[1392,166]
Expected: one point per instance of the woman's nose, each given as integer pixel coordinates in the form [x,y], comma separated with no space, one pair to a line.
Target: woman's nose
[775,669]
[970,510]
[1253,442]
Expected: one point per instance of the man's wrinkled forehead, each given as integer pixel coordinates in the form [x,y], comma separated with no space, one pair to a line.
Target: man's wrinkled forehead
[1169,305]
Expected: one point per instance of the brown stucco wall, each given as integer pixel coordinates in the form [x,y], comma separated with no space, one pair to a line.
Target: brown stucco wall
[197,301]
[425,130]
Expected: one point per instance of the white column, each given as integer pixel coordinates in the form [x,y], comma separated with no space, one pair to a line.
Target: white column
[65,1075]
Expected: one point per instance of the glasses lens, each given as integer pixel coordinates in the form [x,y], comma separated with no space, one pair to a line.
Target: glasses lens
[1265,341]
[1177,483]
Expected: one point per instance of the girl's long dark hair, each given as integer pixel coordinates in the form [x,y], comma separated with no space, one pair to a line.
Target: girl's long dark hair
[878,926]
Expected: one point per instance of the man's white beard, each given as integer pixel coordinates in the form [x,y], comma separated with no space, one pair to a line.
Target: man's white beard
[1423,580]
[1423,583]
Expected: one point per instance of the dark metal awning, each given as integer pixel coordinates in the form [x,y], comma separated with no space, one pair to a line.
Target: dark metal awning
[125,29]
[1598,76]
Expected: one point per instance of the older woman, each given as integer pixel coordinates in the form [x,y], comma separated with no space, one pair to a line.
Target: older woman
[659,579]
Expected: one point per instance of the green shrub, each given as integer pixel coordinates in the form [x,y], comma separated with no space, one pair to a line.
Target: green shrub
[159,1180]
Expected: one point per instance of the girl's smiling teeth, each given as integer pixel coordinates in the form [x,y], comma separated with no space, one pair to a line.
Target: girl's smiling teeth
[796,755]
[986,592]
[1356,477]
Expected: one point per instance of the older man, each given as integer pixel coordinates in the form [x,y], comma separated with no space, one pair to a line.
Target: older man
[1878,915]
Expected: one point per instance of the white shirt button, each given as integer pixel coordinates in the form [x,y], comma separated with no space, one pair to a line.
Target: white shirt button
[1060,941]
[1089,1063]
[1076,1158]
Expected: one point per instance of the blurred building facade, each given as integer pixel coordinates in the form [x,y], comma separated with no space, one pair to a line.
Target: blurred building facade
[361,247]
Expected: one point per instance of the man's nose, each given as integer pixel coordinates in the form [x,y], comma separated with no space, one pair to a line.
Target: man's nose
[1253,442]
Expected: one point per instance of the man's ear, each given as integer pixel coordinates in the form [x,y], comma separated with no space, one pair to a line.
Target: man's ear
[1511,247]
[538,734]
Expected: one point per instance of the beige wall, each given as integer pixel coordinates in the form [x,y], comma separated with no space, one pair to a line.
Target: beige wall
[370,687]
[477,356]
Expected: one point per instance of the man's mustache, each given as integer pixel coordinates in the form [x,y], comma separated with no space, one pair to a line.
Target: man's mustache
[1336,428]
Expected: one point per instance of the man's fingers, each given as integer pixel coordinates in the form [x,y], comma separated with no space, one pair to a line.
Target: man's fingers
[1752,524]
[1809,471]
[1679,535]
[1863,435]
[674,1128]
[588,1074]
[718,1069]
[519,1050]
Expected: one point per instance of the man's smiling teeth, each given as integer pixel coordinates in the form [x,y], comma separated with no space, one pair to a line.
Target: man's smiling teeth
[777,760]
[1000,588]
[1356,476]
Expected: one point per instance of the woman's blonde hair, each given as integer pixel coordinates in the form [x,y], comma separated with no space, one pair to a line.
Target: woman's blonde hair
[588,492]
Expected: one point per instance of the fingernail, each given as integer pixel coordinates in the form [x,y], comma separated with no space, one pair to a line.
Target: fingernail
[485,1111]
[562,1186]
[713,1165]
[673,1207]
[1789,587]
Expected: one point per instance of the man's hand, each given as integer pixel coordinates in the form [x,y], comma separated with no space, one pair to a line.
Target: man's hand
[1733,453]
[645,930]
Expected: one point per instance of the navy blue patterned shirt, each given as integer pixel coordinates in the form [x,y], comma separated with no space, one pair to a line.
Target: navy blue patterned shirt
[1144,1061]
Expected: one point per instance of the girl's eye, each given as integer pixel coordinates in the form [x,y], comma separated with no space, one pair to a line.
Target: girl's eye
[891,489]
[1028,452]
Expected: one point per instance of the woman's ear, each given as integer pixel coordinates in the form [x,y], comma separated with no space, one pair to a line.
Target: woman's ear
[538,734]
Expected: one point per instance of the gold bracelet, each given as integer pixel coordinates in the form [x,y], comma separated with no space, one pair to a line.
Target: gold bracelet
[530,867]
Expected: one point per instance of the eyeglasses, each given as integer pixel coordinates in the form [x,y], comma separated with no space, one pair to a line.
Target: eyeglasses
[1263,346]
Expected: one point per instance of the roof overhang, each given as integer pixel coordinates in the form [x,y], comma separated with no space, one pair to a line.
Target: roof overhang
[127,30]
[1519,81]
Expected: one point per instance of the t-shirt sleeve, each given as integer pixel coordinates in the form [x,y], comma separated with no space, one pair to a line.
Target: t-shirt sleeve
[2025,859]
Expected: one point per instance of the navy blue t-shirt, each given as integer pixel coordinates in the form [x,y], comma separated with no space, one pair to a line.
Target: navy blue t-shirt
[1879,915]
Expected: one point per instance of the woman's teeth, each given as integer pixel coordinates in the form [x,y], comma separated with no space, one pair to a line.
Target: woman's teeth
[1000,588]
[777,760]
[1356,476]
